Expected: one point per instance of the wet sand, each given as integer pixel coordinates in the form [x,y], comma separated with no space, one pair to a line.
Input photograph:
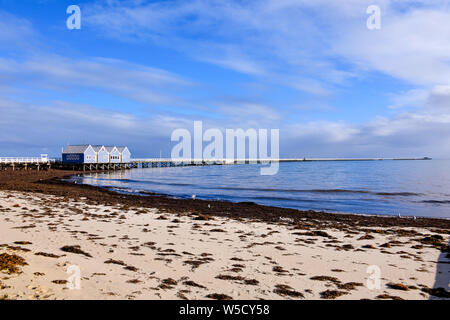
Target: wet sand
[131,247]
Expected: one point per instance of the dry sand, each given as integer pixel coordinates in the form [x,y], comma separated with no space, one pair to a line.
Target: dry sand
[156,255]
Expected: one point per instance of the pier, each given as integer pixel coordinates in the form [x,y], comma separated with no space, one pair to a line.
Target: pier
[44,163]
[26,163]
[158,163]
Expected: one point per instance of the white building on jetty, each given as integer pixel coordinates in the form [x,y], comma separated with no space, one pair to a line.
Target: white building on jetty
[125,154]
[101,155]
[113,153]
[89,154]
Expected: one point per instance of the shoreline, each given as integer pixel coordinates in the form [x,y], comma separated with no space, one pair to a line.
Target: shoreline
[145,193]
[51,182]
[134,247]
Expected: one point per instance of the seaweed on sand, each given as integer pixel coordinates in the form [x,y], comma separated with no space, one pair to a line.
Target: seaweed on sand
[227,277]
[169,282]
[10,263]
[76,250]
[397,286]
[48,255]
[285,290]
[332,294]
[218,296]
[193,284]
[118,262]
[387,296]
[437,292]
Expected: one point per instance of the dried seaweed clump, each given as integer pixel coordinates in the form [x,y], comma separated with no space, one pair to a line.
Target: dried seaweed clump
[332,294]
[388,297]
[218,296]
[285,290]
[76,250]
[193,284]
[10,263]
[48,255]
[397,286]
[437,292]
[435,240]
[169,282]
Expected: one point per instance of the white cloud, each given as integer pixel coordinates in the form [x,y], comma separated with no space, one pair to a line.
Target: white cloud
[14,30]
[439,99]
[411,98]
[323,131]
[237,63]
[412,46]
[256,37]
[294,38]
[246,114]
[435,99]
[135,82]
[35,127]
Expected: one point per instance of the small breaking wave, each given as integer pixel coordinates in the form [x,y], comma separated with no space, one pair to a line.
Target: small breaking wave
[436,201]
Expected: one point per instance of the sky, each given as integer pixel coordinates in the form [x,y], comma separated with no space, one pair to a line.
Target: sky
[137,70]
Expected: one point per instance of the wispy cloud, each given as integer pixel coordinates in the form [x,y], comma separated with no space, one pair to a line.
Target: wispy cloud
[288,37]
[47,127]
[412,46]
[136,82]
[255,37]
[15,31]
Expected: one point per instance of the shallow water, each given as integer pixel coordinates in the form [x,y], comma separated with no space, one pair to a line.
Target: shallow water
[420,188]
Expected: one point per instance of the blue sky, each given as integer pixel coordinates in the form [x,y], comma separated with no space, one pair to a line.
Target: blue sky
[138,69]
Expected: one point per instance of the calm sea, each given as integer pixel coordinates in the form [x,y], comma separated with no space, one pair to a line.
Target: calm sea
[419,188]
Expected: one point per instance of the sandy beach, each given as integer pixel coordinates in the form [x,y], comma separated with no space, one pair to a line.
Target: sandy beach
[127,251]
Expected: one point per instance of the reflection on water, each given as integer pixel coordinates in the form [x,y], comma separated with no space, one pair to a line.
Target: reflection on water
[420,188]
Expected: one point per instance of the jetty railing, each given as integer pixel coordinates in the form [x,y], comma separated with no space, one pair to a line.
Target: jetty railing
[24,160]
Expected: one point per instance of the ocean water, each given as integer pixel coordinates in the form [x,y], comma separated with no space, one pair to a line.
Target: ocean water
[408,188]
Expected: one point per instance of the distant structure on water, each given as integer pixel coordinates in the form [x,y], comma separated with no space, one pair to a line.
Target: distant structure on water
[97,154]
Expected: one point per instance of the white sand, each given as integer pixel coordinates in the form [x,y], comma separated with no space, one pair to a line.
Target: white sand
[109,237]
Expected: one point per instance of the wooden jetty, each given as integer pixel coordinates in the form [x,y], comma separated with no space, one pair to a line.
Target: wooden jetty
[26,163]
[43,163]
